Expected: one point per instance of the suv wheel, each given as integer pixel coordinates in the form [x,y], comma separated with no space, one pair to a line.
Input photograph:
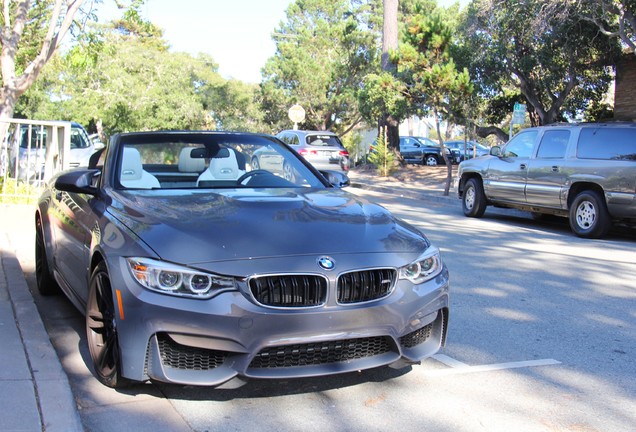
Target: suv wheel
[474,199]
[589,217]
[430,160]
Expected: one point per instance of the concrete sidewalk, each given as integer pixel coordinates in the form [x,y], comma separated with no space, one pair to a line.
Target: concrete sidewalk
[35,394]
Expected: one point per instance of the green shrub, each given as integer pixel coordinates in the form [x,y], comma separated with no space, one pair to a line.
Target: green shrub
[382,156]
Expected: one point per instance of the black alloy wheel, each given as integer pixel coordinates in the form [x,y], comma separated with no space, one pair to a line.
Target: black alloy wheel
[101,330]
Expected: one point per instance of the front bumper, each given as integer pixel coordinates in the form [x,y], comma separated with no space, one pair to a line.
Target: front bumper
[209,342]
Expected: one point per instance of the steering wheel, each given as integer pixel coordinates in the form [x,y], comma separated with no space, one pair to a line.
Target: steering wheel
[250,174]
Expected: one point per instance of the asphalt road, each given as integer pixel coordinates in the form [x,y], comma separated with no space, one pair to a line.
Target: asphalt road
[542,337]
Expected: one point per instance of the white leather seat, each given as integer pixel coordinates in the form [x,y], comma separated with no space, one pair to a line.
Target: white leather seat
[223,166]
[132,172]
[188,164]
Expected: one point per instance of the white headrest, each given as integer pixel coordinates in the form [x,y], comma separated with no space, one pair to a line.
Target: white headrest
[131,166]
[189,164]
[224,165]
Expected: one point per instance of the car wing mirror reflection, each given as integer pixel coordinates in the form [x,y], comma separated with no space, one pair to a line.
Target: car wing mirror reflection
[336,178]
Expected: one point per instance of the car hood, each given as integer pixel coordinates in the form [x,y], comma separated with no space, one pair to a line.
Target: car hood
[202,227]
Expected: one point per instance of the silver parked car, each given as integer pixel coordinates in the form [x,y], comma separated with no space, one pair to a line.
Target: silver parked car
[193,267]
[468,149]
[27,159]
[322,149]
[585,172]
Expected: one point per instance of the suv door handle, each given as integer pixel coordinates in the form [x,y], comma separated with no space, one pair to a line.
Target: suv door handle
[523,166]
[555,168]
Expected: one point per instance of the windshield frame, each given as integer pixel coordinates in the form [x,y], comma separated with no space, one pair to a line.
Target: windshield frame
[242,146]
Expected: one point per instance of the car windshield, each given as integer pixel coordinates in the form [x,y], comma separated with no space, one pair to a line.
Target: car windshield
[79,138]
[37,135]
[209,160]
[427,142]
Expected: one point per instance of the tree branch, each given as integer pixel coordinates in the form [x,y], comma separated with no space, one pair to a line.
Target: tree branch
[484,131]
[50,44]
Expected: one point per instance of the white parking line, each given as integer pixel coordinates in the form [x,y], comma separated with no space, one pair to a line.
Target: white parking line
[449,361]
[457,367]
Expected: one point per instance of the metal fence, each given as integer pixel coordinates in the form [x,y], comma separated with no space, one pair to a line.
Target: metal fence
[31,152]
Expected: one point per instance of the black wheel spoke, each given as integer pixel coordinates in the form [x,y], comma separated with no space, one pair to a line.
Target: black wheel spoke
[101,330]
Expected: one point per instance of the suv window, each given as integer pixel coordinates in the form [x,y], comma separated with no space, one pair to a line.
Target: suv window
[323,140]
[407,141]
[289,138]
[553,144]
[607,143]
[521,145]
[294,140]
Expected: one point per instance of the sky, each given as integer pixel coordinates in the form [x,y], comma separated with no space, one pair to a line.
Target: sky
[236,33]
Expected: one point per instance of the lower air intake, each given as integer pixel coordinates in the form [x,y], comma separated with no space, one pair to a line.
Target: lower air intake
[321,352]
[186,357]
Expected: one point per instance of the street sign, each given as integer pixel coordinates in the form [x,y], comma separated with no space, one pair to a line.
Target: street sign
[519,114]
[296,114]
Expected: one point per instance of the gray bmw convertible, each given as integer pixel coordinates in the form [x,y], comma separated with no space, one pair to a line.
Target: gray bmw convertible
[193,267]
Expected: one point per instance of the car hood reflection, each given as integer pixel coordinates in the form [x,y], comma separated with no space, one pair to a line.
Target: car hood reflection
[205,226]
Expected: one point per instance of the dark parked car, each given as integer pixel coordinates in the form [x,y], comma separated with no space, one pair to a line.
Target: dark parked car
[467,150]
[424,151]
[585,172]
[322,149]
[193,267]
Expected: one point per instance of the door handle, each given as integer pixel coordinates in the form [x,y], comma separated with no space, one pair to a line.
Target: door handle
[523,166]
[555,168]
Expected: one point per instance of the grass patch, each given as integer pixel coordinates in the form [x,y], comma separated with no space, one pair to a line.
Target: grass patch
[13,191]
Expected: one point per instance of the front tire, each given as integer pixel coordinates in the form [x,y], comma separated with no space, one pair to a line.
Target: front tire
[44,281]
[588,216]
[430,160]
[474,199]
[101,330]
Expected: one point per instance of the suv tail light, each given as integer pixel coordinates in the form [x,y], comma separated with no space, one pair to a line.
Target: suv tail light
[304,152]
[344,153]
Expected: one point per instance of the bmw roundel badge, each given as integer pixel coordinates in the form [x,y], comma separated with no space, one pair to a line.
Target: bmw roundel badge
[326,263]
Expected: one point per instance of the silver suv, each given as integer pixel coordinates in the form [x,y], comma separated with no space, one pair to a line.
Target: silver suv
[585,172]
[322,149]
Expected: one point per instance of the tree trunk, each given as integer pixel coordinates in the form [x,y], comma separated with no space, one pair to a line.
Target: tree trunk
[390,42]
[389,33]
[449,164]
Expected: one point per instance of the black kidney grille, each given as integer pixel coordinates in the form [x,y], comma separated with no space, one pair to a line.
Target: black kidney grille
[289,290]
[417,337]
[367,285]
[321,352]
[180,356]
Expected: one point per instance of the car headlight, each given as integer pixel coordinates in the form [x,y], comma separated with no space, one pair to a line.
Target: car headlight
[176,280]
[425,268]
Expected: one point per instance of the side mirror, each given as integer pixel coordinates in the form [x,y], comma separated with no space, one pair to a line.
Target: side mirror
[77,181]
[336,178]
[495,151]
